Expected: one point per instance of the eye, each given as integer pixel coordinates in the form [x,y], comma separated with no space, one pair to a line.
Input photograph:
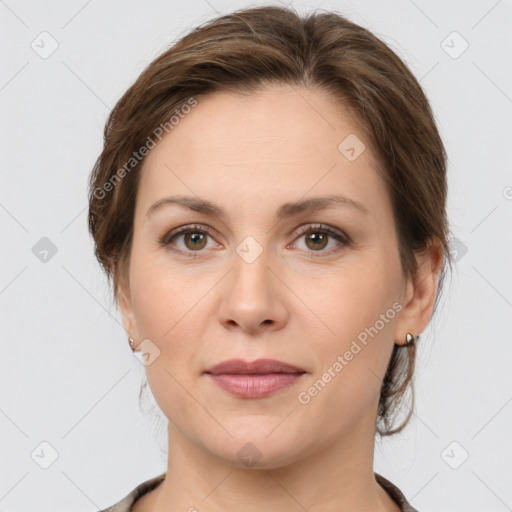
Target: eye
[317,238]
[194,238]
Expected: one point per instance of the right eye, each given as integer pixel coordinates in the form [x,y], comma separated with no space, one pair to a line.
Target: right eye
[195,238]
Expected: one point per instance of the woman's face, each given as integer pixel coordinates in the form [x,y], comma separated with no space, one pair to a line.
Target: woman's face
[257,284]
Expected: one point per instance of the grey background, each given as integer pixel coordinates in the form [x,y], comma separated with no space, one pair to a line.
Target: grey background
[67,375]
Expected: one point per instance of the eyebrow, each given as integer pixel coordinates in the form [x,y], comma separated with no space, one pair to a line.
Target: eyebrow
[286,210]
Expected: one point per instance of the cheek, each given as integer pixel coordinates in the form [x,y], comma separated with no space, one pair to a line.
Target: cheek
[168,310]
[359,306]
[354,297]
[165,304]
[159,291]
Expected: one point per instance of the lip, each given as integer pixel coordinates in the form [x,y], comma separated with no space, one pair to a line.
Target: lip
[257,379]
[258,367]
[255,386]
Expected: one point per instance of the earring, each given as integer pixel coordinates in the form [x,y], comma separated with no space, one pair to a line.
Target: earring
[130,341]
[410,338]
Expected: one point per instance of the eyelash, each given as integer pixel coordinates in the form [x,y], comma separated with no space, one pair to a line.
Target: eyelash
[345,240]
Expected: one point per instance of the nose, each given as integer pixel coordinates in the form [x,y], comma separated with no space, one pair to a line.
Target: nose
[253,296]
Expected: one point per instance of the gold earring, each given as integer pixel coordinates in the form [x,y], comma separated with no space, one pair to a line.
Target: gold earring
[130,341]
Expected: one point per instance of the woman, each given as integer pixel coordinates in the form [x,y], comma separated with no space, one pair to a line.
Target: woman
[270,205]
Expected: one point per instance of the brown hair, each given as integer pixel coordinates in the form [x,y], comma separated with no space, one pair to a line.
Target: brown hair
[243,51]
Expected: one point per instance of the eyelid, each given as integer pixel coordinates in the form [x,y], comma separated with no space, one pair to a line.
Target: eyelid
[318,226]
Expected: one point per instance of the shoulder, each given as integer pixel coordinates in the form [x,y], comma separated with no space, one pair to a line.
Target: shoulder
[126,503]
[395,493]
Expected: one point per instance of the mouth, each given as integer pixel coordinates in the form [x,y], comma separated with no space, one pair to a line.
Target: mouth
[257,379]
[255,386]
[258,367]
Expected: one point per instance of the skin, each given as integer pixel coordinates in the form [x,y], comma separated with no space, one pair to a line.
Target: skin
[249,155]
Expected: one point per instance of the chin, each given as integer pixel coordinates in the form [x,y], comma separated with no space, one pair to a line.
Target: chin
[259,450]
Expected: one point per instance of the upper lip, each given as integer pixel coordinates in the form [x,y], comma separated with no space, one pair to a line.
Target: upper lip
[260,366]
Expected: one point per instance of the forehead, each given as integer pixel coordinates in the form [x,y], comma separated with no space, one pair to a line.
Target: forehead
[281,139]
[273,118]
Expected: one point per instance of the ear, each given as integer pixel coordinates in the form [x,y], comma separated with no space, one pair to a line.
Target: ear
[127,312]
[419,297]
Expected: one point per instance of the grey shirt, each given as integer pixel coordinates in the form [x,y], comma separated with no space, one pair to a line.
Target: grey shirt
[125,505]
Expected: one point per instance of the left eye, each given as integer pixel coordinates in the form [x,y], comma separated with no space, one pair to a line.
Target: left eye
[316,238]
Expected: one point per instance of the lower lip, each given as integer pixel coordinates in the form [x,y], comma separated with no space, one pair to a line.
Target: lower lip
[255,386]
